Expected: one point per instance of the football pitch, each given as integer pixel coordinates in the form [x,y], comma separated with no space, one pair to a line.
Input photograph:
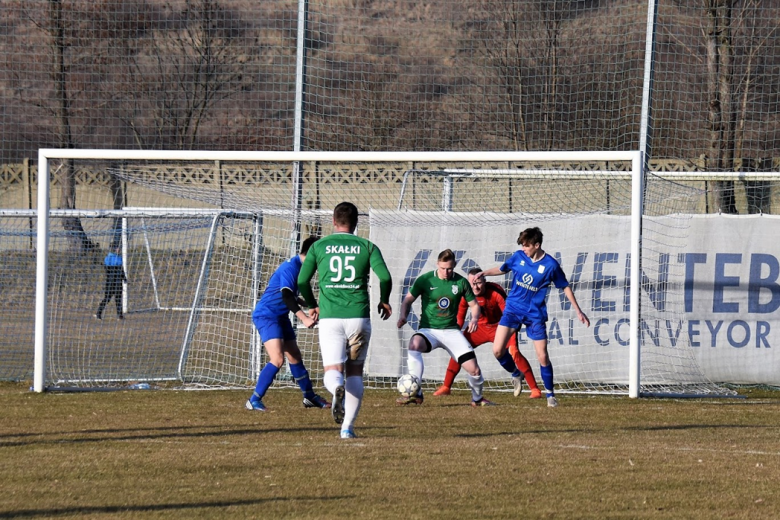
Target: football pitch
[188,454]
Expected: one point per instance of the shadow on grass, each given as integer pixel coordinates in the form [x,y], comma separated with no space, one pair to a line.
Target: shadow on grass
[81,510]
[683,427]
[173,432]
[670,427]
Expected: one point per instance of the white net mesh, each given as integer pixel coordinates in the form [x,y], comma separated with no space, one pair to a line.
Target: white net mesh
[390,75]
[194,274]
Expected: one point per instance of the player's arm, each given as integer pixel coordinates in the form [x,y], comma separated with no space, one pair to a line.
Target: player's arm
[493,271]
[304,281]
[581,315]
[379,267]
[406,305]
[476,311]
[289,299]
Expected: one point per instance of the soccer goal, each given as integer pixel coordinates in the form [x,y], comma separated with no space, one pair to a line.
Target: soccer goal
[201,232]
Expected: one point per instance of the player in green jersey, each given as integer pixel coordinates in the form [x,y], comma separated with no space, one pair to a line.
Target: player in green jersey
[344,262]
[441,292]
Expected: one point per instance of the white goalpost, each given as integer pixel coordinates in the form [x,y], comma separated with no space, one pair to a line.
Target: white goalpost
[202,231]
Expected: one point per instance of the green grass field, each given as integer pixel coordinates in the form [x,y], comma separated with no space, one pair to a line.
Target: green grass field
[176,454]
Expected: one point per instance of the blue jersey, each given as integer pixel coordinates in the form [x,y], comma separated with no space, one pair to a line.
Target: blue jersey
[530,282]
[271,303]
[112,260]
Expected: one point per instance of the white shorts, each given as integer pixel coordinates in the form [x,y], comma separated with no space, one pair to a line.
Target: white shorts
[451,340]
[333,338]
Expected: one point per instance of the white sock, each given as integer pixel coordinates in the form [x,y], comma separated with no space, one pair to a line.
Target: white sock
[332,380]
[476,383]
[415,364]
[352,401]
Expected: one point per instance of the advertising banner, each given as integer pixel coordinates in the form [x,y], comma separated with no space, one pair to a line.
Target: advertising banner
[711,285]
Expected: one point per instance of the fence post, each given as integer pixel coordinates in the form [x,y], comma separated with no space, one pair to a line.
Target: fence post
[27,183]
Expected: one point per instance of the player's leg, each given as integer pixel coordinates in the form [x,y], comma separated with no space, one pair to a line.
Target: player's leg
[504,332]
[107,290]
[266,377]
[297,368]
[421,342]
[527,373]
[333,348]
[118,297]
[272,335]
[475,339]
[102,305]
[353,397]
[453,367]
[418,345]
[475,379]
[537,332]
[459,348]
[301,376]
[353,384]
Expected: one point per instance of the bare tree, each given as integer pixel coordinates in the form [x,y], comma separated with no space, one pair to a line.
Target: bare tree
[182,71]
[729,92]
[62,103]
[552,14]
[520,44]
[719,47]
[501,35]
[377,108]
[70,107]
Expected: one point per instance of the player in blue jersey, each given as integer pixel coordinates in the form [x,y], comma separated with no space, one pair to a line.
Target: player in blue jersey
[533,272]
[115,278]
[271,317]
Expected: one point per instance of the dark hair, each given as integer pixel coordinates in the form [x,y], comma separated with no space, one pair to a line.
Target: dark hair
[530,236]
[307,244]
[474,270]
[346,214]
[446,256]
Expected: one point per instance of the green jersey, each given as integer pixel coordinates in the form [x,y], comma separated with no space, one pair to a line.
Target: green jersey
[343,262]
[440,299]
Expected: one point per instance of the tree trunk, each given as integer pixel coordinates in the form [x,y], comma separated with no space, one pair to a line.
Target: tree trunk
[77,238]
[758,193]
[721,153]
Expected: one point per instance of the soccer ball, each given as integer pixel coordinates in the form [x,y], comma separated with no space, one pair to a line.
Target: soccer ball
[408,385]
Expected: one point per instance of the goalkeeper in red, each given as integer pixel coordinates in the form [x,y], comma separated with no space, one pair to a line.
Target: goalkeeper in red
[491,298]
[533,271]
[343,262]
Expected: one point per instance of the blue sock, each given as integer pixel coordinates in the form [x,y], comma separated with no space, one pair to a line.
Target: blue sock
[301,376]
[547,379]
[265,379]
[508,364]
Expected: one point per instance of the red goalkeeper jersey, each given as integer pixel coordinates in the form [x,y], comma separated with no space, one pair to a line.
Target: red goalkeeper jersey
[491,302]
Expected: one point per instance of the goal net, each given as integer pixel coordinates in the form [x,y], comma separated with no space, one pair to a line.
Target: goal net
[200,236]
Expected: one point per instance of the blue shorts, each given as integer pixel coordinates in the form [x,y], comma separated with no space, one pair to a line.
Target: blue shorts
[534,329]
[274,327]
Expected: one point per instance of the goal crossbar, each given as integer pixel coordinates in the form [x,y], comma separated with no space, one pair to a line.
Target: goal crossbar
[44,211]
